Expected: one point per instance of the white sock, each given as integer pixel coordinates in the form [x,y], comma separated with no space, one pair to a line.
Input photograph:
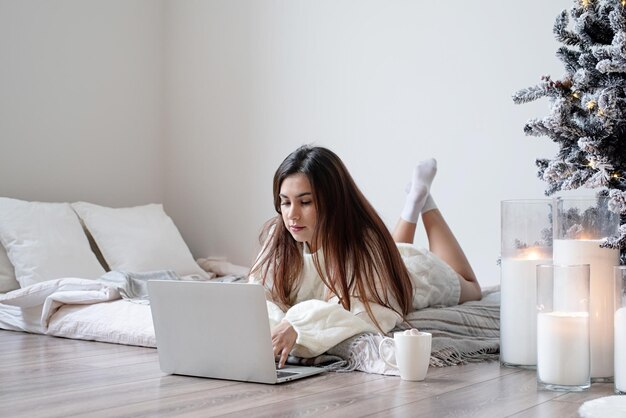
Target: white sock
[419,190]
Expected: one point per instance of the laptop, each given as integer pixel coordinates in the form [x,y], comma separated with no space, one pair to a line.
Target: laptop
[216,330]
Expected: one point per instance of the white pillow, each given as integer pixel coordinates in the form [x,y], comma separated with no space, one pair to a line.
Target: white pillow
[7,273]
[138,239]
[45,241]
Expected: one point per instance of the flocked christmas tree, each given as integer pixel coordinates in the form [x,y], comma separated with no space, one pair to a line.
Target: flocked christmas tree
[587,106]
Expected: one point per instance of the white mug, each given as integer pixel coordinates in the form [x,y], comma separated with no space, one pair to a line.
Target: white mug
[412,353]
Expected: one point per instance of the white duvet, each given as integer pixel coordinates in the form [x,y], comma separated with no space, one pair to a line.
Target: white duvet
[79,309]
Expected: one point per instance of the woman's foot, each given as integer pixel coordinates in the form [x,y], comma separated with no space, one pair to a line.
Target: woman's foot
[418,191]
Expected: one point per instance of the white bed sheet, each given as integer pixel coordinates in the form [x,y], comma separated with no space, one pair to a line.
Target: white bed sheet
[119,322]
[14,318]
[77,309]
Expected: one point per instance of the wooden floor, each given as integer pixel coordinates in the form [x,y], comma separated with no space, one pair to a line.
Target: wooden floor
[42,376]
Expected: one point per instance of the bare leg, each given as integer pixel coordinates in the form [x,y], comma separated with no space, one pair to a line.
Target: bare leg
[404,231]
[441,240]
[444,245]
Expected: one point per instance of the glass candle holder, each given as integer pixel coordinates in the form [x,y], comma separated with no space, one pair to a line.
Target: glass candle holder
[620,330]
[563,346]
[580,226]
[526,235]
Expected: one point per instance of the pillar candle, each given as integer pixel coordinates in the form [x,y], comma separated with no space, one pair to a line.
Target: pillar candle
[563,348]
[601,261]
[518,310]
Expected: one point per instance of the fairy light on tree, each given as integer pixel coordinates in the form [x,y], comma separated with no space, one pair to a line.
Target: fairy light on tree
[587,106]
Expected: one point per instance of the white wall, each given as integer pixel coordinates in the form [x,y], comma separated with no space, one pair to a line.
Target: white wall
[196,102]
[81,100]
[383,83]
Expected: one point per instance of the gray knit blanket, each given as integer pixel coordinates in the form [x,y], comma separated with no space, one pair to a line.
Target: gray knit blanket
[464,333]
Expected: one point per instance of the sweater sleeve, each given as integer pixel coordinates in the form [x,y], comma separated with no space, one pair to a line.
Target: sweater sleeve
[322,325]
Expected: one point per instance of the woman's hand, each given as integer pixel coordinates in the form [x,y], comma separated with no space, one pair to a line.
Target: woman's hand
[283,339]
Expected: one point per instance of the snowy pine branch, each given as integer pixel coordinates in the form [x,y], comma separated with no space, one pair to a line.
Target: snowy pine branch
[561,33]
[569,58]
[587,116]
[530,94]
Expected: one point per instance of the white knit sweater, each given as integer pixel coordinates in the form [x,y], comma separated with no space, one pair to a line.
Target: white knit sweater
[321,321]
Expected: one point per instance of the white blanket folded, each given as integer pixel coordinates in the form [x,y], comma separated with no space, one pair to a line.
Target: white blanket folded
[51,295]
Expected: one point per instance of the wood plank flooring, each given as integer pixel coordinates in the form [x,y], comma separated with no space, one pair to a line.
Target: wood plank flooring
[42,376]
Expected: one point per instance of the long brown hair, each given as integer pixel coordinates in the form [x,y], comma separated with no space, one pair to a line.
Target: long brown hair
[360,256]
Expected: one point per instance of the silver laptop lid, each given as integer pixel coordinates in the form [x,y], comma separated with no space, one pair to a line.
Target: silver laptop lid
[217,330]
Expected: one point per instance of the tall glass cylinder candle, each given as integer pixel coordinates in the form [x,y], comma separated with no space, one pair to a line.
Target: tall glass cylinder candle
[526,235]
[620,330]
[580,226]
[563,346]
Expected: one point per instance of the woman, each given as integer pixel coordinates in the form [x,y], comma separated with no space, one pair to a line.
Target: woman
[331,268]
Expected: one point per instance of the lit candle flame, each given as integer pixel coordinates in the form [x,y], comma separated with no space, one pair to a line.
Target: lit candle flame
[531,253]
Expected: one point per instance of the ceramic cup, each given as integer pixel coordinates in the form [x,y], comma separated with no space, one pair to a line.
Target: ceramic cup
[412,349]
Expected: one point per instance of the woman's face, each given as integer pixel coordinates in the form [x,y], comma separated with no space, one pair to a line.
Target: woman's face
[298,208]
